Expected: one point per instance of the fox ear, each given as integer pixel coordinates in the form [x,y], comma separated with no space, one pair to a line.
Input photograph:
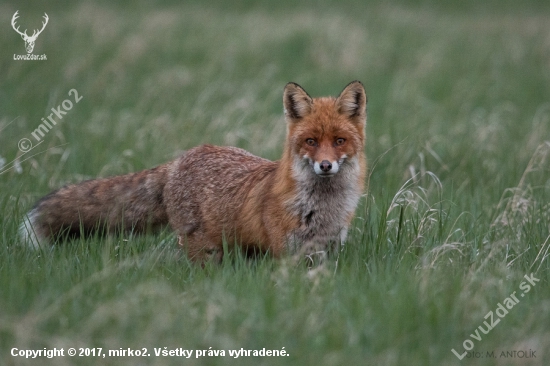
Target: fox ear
[296,101]
[352,101]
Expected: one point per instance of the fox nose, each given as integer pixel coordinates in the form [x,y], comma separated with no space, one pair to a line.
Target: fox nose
[326,166]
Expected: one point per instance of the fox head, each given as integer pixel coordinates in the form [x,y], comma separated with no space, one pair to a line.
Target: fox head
[325,133]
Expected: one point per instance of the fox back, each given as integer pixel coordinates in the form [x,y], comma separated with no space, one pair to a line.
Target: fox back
[211,196]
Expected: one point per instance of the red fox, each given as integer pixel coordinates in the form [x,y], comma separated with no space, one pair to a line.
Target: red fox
[302,203]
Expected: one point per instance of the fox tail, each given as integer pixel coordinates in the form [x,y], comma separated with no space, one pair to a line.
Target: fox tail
[132,202]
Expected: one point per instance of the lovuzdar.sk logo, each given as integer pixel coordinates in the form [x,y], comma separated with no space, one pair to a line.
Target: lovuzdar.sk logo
[29,40]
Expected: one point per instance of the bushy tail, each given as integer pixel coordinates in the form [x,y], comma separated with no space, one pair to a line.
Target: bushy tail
[132,202]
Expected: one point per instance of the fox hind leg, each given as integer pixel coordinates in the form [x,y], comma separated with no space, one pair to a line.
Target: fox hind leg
[201,249]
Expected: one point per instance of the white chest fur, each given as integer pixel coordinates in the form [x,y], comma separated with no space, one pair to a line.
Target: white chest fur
[324,205]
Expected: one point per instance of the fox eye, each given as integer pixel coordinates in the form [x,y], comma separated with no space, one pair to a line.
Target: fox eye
[340,141]
[311,142]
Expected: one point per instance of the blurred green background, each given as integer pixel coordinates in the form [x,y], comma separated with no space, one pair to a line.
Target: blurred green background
[457,210]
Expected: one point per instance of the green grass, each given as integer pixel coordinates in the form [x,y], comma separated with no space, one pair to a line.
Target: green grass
[457,210]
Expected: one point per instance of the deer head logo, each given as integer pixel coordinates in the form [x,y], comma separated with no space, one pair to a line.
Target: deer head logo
[29,40]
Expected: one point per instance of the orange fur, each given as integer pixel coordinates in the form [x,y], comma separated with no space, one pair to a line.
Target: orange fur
[302,203]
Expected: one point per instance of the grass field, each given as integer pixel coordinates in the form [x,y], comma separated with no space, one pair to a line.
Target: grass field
[457,211]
